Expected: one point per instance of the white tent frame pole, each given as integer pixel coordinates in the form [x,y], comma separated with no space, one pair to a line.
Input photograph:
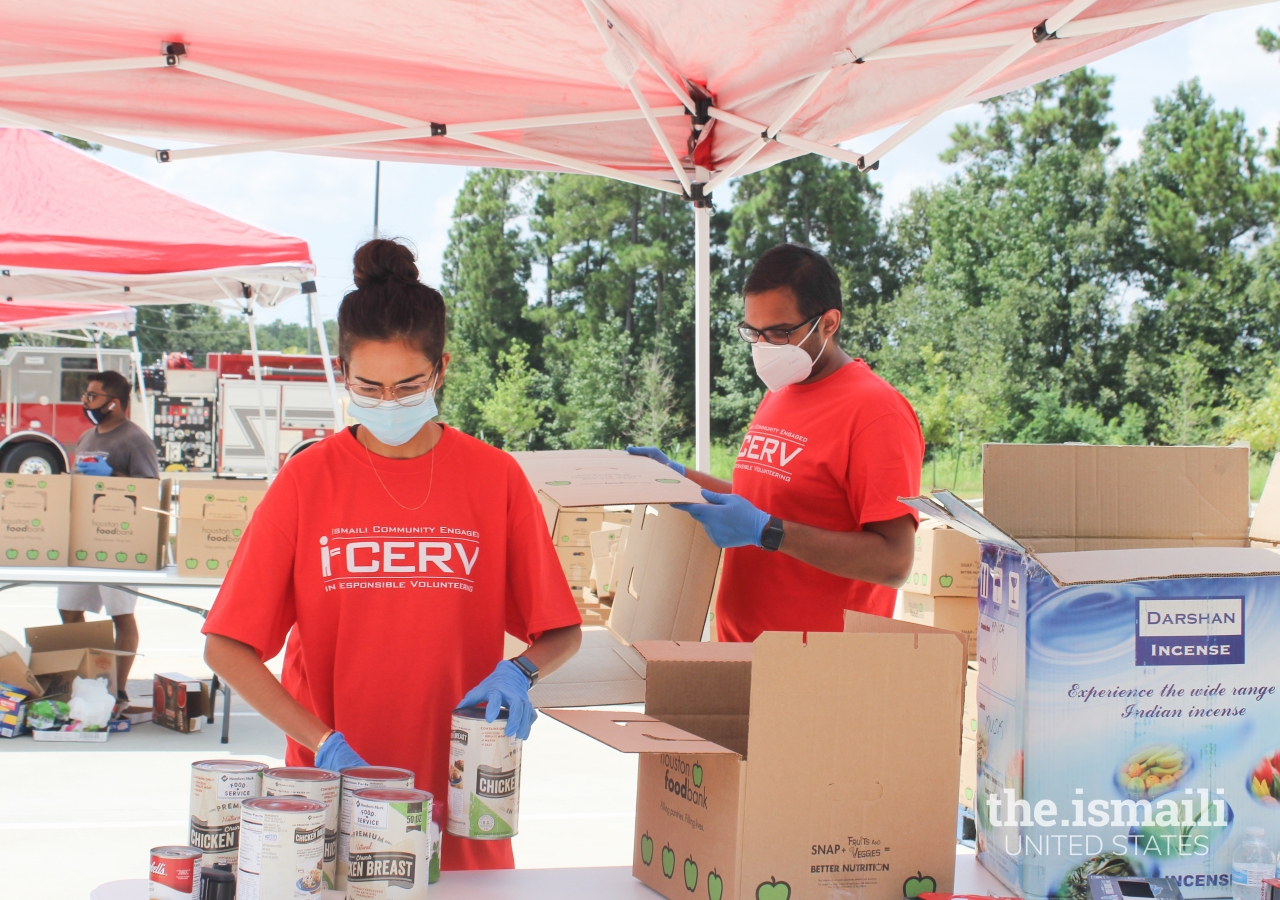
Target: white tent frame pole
[702,334]
[614,21]
[556,159]
[1024,45]
[267,432]
[323,340]
[75,131]
[97,349]
[37,70]
[789,140]
[142,383]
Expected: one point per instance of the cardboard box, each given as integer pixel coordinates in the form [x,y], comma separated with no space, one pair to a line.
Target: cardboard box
[180,703]
[573,527]
[969,744]
[945,563]
[212,516]
[576,563]
[947,613]
[665,575]
[604,550]
[35,519]
[60,653]
[795,762]
[1098,666]
[16,671]
[119,523]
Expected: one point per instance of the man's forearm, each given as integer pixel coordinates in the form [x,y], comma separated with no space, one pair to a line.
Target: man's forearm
[708,482]
[862,555]
[238,665]
[554,648]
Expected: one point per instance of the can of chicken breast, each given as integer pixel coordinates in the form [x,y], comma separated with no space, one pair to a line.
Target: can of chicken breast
[484,777]
[175,873]
[390,844]
[218,786]
[358,778]
[281,849]
[313,784]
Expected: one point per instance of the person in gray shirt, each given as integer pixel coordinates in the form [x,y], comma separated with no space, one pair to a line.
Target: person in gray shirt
[125,450]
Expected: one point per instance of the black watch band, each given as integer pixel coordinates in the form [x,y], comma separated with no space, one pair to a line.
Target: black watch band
[771,537]
[528,668]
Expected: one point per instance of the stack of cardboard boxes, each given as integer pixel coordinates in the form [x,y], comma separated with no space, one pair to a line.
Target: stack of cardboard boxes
[587,540]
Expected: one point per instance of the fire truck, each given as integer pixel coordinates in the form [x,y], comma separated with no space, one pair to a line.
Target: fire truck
[217,419]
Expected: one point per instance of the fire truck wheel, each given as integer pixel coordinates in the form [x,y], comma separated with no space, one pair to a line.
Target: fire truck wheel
[32,458]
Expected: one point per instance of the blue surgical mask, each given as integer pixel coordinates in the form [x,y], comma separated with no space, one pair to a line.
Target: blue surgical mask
[392,423]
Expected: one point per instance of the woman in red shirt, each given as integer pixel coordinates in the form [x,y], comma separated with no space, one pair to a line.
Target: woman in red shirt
[393,555]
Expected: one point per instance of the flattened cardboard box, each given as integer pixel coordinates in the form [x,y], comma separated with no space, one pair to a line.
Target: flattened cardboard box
[60,653]
[119,523]
[754,784]
[212,516]
[35,511]
[945,562]
[663,579]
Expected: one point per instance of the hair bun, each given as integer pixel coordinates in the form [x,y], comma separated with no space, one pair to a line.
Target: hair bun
[379,261]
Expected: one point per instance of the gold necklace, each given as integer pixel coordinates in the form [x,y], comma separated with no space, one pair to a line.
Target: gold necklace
[430,482]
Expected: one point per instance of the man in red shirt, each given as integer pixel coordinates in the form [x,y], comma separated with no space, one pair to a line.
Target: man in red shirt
[811,521]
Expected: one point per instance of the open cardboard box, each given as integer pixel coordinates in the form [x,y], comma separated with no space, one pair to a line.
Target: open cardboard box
[827,762]
[59,653]
[1122,610]
[666,574]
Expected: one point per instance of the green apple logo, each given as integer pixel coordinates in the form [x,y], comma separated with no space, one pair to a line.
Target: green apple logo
[918,884]
[33,554]
[53,554]
[82,555]
[667,480]
[235,532]
[191,563]
[945,581]
[715,886]
[697,775]
[690,874]
[101,556]
[141,557]
[211,563]
[122,556]
[208,498]
[557,483]
[668,861]
[129,488]
[244,499]
[99,486]
[8,482]
[773,889]
[12,554]
[124,526]
[41,484]
[35,522]
[646,848]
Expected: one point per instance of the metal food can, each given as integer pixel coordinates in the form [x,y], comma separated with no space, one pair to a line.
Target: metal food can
[314,784]
[217,788]
[175,873]
[357,778]
[390,844]
[484,777]
[439,821]
[281,849]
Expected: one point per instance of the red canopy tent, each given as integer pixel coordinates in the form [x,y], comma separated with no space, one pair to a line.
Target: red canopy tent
[81,322]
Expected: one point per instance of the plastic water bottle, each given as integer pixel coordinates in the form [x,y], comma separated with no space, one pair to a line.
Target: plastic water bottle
[1252,862]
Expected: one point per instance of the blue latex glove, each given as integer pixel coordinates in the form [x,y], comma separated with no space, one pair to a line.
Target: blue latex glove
[657,456]
[336,754]
[93,468]
[730,520]
[506,686]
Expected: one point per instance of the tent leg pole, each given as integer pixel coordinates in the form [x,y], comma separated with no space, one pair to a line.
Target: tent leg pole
[267,432]
[702,338]
[323,340]
[97,350]
[142,382]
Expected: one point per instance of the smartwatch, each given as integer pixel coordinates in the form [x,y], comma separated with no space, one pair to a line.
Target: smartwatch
[771,537]
[529,669]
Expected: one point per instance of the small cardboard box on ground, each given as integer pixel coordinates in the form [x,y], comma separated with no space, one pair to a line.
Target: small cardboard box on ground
[212,515]
[666,572]
[1129,682]
[179,703]
[119,523]
[818,766]
[35,511]
[60,653]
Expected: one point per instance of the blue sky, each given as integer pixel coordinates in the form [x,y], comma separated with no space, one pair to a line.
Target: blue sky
[329,201]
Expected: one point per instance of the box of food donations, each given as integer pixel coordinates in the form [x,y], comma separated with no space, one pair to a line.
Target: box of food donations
[119,523]
[36,513]
[665,575]
[816,765]
[1128,714]
[212,516]
[942,590]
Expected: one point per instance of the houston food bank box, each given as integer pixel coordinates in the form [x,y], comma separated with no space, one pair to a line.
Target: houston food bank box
[1128,706]
[799,766]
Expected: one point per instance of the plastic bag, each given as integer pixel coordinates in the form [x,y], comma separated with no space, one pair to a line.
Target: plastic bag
[45,715]
[91,703]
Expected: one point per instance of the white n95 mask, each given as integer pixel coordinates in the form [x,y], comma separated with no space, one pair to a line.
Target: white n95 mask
[779,365]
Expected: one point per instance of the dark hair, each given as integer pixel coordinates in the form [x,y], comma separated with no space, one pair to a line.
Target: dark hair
[113,385]
[390,303]
[808,275]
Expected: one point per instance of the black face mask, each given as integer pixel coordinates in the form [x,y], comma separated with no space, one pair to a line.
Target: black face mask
[99,415]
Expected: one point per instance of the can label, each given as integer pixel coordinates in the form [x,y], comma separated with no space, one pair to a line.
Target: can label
[390,850]
[174,878]
[281,852]
[349,786]
[215,811]
[484,779]
[326,792]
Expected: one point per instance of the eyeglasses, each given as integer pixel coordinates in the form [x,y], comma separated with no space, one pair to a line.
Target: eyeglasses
[92,396]
[775,335]
[370,395]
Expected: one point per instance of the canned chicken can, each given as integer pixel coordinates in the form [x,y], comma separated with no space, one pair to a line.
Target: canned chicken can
[390,844]
[484,777]
[218,786]
[358,778]
[175,873]
[281,849]
[313,784]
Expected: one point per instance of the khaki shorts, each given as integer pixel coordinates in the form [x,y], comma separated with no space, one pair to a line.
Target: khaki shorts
[94,598]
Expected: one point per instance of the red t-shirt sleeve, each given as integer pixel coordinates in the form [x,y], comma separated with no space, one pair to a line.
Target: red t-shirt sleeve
[885,464]
[255,605]
[538,596]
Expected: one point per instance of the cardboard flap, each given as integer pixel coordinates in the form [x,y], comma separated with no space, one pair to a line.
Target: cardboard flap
[1265,526]
[604,477]
[1113,566]
[632,732]
[863,623]
[949,508]
[604,671]
[695,651]
[75,636]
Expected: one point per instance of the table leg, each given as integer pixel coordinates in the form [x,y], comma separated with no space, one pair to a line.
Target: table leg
[226,711]
[213,696]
